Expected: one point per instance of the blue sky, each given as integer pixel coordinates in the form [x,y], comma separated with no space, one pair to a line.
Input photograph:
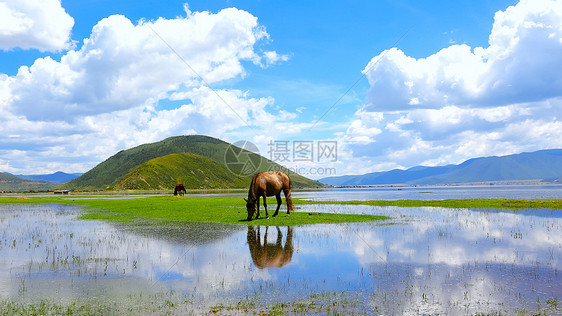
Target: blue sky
[395,83]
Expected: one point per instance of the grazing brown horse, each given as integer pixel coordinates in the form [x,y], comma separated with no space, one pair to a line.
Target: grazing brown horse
[270,255]
[268,184]
[180,189]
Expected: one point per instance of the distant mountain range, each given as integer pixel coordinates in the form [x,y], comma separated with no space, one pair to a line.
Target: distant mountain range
[10,182]
[39,182]
[544,165]
[199,162]
[57,177]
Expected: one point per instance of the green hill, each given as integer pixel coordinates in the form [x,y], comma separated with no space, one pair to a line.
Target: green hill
[194,171]
[112,171]
[9,182]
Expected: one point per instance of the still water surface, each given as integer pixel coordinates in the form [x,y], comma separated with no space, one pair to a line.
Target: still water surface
[423,261]
[436,192]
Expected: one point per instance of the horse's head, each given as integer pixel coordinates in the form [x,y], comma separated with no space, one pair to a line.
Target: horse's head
[251,208]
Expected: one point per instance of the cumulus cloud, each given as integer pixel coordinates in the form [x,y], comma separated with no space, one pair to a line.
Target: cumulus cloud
[122,65]
[463,102]
[130,84]
[30,24]
[525,41]
[272,57]
[48,146]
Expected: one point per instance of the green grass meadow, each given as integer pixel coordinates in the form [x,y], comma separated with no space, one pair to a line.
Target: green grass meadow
[232,210]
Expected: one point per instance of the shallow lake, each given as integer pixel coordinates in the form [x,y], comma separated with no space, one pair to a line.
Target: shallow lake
[423,261]
[436,192]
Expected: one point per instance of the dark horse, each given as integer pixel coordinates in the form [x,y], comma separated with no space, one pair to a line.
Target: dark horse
[268,184]
[180,189]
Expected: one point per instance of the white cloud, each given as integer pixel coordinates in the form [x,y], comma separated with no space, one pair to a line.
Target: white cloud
[130,84]
[122,65]
[525,40]
[80,145]
[359,133]
[31,24]
[272,57]
[461,102]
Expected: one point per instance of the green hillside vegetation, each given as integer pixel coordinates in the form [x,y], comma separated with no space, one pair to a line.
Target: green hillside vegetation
[193,171]
[9,182]
[112,171]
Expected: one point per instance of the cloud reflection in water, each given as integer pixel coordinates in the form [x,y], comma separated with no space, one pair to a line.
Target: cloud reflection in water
[425,260]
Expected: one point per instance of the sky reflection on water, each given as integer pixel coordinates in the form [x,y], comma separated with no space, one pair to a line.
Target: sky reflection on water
[424,260]
[435,192]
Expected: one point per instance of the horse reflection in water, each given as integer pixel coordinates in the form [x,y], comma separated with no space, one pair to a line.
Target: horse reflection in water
[270,255]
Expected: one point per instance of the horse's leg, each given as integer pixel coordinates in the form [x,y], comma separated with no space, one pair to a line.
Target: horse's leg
[278,196]
[265,205]
[279,238]
[289,200]
[265,243]
[289,242]
[258,207]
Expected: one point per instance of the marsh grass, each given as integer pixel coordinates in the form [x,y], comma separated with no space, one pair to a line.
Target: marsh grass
[315,303]
[10,307]
[147,305]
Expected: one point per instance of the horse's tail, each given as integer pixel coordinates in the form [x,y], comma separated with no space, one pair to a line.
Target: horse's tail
[288,196]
